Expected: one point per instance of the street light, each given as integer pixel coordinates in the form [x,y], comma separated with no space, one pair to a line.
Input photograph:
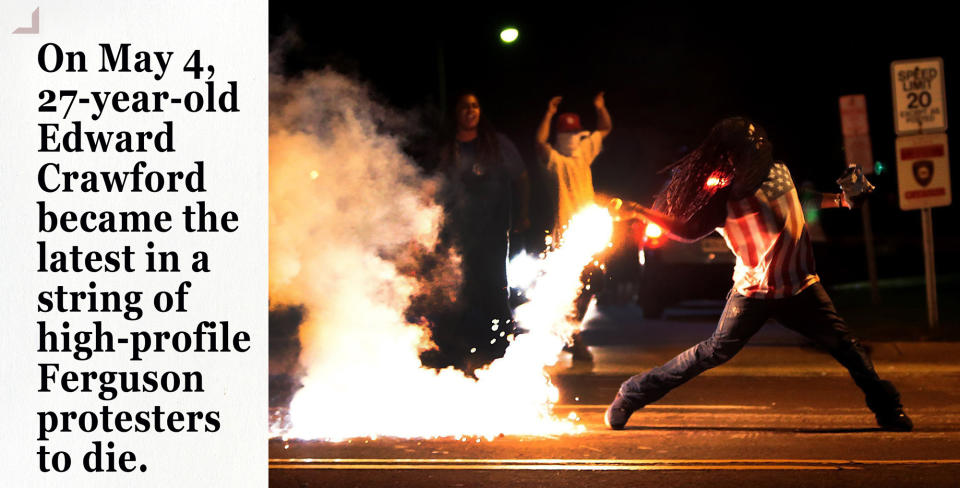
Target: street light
[509,35]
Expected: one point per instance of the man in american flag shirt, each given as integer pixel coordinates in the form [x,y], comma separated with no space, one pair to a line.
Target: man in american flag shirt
[731,184]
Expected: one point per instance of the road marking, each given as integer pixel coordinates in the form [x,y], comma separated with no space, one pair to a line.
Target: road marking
[595,464]
[611,461]
[669,407]
[553,467]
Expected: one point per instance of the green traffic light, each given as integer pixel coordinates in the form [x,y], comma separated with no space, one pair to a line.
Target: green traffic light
[879,167]
[509,35]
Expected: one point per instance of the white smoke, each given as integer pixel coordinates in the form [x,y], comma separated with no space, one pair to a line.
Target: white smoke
[342,196]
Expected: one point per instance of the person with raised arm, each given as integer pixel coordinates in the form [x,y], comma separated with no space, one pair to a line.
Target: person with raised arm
[569,160]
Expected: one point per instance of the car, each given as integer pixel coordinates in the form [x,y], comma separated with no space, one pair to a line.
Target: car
[673,271]
[643,266]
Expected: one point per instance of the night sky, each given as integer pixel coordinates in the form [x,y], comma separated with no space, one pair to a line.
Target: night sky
[668,78]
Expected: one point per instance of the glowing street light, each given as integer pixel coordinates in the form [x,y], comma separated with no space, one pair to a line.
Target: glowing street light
[509,34]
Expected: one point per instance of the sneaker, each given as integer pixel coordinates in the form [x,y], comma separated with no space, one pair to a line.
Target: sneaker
[895,420]
[618,412]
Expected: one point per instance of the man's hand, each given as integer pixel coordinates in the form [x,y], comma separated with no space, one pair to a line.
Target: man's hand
[543,131]
[598,101]
[843,202]
[854,186]
[604,124]
[553,104]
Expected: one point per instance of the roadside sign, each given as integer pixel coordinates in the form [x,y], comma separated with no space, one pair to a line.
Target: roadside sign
[923,171]
[853,115]
[856,132]
[923,160]
[919,103]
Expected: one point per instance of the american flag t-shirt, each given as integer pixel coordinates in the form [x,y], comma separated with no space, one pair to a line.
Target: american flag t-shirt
[767,233]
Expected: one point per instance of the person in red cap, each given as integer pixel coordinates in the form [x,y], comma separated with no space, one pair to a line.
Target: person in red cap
[569,159]
[571,155]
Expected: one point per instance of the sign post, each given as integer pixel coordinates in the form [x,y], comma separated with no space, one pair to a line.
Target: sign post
[923,162]
[859,151]
[923,176]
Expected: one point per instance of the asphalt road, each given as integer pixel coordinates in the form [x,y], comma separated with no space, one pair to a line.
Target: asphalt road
[779,414]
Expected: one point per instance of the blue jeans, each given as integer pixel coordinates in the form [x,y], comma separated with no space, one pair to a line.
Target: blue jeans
[810,313]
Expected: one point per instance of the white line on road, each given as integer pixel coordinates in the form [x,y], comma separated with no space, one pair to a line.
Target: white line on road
[596,464]
[554,467]
[669,407]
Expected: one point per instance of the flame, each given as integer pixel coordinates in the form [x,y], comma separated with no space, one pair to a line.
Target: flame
[394,396]
[653,231]
[553,294]
[523,271]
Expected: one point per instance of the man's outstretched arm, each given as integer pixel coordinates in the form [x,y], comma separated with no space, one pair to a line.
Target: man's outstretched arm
[854,185]
[697,227]
[824,200]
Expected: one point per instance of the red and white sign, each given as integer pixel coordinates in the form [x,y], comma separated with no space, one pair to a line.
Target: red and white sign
[919,102]
[856,132]
[853,115]
[923,171]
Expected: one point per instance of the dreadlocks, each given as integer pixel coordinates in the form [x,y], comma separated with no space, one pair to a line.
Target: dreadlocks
[736,153]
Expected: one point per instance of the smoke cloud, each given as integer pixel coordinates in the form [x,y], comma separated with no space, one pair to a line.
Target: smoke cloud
[344,199]
[353,232]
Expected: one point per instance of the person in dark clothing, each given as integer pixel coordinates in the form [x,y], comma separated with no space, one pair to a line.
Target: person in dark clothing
[485,178]
[732,184]
[569,159]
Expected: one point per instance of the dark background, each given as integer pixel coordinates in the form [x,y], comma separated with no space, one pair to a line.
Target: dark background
[668,77]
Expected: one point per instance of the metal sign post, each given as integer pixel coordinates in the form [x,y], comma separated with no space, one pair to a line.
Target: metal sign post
[929,270]
[923,163]
[859,151]
[923,178]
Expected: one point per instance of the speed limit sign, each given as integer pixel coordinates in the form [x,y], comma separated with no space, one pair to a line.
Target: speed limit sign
[919,103]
